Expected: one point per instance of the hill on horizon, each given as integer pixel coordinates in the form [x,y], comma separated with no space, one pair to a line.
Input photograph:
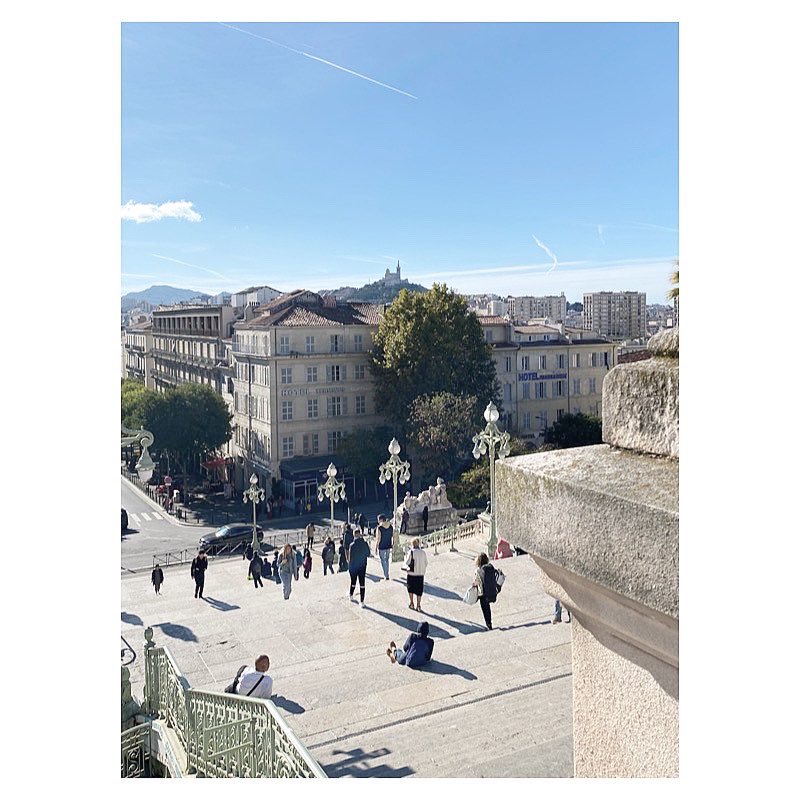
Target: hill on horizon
[377,292]
[161,294]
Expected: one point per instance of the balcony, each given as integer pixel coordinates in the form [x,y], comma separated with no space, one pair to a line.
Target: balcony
[250,349]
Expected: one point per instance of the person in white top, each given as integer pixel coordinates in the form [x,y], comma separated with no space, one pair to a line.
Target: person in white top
[416,562]
[256,682]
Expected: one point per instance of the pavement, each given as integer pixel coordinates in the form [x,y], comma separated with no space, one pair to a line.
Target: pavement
[490,704]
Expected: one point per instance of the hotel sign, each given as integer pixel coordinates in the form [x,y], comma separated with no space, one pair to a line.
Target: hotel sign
[542,376]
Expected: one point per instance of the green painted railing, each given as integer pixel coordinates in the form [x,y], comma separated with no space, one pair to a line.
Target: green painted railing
[224,735]
[136,751]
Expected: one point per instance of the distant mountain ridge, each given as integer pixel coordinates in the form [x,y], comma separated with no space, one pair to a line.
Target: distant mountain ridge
[377,292]
[158,295]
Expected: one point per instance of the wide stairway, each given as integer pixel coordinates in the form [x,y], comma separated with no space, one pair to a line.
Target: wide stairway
[491,703]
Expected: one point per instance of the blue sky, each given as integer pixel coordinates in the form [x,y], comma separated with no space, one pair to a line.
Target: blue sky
[522,158]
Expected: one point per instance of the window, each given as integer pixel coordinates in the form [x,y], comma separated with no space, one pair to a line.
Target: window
[358,343]
[313,408]
[361,404]
[562,361]
[311,374]
[333,373]
[489,334]
[576,409]
[507,392]
[541,390]
[360,372]
[576,386]
[335,343]
[559,414]
[286,411]
[309,344]
[558,388]
[334,437]
[336,406]
[542,362]
[542,420]
[526,363]
[526,420]
[286,374]
[526,390]
[283,346]
[310,444]
[592,385]
[288,446]
[595,359]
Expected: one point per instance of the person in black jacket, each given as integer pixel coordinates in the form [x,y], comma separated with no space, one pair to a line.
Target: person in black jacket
[486,582]
[256,566]
[328,556]
[425,519]
[157,578]
[198,572]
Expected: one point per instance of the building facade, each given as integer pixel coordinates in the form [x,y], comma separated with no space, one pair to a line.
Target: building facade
[138,352]
[522,309]
[616,315]
[301,382]
[254,296]
[188,345]
[545,373]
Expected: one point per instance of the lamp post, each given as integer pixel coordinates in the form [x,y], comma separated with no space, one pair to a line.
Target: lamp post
[145,465]
[332,489]
[396,470]
[487,439]
[254,495]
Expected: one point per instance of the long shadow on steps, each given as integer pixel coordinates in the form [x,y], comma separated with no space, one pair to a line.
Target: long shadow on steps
[435,631]
[355,765]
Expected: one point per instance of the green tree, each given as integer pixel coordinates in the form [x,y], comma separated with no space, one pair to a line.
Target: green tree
[441,427]
[364,451]
[575,430]
[133,397]
[428,343]
[471,490]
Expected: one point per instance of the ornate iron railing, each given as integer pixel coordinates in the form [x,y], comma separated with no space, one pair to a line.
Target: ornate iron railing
[450,534]
[136,751]
[224,735]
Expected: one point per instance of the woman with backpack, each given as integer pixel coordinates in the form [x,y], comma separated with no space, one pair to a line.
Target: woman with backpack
[486,583]
[306,563]
[287,566]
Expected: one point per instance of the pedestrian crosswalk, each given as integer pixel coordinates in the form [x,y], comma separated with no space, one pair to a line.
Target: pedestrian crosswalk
[146,516]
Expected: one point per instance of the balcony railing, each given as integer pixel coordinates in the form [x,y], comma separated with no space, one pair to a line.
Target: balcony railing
[224,735]
[250,349]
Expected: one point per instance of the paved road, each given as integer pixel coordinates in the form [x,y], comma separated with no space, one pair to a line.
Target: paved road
[151,532]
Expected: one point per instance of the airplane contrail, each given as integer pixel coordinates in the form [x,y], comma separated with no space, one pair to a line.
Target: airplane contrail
[187,264]
[549,253]
[321,60]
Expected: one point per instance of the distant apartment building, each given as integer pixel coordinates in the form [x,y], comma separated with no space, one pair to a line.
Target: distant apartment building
[616,315]
[254,296]
[546,372]
[189,345]
[137,356]
[301,382]
[522,309]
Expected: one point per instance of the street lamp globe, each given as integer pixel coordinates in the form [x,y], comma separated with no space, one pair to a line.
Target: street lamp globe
[253,479]
[394,447]
[491,414]
[331,471]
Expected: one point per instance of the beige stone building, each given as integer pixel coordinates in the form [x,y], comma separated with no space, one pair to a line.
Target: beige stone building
[137,355]
[301,382]
[546,372]
[188,345]
[617,315]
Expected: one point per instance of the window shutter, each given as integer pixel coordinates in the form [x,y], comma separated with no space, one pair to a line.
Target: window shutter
[328,375]
[344,372]
[344,405]
[328,404]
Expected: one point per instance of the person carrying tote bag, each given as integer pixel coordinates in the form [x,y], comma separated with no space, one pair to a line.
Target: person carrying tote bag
[486,584]
[416,562]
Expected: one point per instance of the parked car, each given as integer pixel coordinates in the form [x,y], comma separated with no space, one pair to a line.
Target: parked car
[236,533]
[124,520]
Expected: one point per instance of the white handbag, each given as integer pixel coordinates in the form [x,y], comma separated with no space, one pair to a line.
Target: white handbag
[471,596]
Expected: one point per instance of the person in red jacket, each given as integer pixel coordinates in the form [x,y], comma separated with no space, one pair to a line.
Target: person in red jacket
[503,550]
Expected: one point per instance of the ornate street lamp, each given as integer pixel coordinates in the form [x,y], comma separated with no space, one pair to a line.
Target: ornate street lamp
[332,489]
[487,439]
[254,495]
[395,470]
[145,465]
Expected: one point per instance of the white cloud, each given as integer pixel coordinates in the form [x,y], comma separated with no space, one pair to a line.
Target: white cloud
[150,212]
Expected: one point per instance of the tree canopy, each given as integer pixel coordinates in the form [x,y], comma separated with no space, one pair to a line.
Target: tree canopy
[441,427]
[575,430]
[364,451]
[429,343]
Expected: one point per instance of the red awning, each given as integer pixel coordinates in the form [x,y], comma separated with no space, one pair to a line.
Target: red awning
[215,463]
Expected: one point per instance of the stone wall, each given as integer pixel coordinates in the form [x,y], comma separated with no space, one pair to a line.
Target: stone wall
[601,523]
